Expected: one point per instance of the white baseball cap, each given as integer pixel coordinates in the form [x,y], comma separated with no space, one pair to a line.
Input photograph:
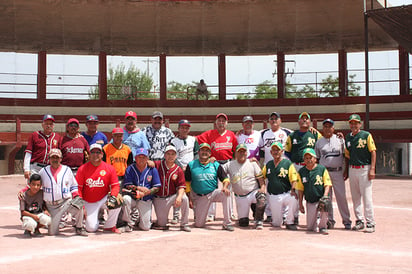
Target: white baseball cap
[170,147]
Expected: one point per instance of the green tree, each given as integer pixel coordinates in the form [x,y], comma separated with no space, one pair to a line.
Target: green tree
[329,86]
[264,90]
[127,84]
[178,91]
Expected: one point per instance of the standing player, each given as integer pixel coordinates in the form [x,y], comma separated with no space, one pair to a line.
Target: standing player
[158,136]
[172,191]
[132,135]
[97,178]
[313,182]
[250,137]
[74,146]
[330,151]
[92,135]
[39,145]
[248,186]
[361,152]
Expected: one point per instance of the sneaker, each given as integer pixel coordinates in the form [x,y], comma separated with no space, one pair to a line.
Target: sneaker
[112,229]
[37,233]
[370,228]
[81,232]
[259,225]
[228,228]
[185,228]
[126,228]
[27,234]
[291,227]
[359,226]
[323,231]
[233,217]
[268,219]
[331,224]
[347,226]
[175,220]
[210,218]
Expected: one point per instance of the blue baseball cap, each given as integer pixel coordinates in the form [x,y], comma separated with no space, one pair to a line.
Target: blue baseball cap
[48,117]
[328,120]
[141,151]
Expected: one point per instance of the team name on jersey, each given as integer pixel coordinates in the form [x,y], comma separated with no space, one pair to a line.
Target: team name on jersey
[74,150]
[94,183]
[117,160]
[221,146]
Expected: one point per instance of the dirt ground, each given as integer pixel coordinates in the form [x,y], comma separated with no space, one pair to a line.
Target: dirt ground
[213,250]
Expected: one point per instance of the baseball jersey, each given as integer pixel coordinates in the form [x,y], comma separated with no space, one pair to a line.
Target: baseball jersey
[268,137]
[252,142]
[330,151]
[279,177]
[243,177]
[204,178]
[187,150]
[148,178]
[73,150]
[98,138]
[297,141]
[135,139]
[171,178]
[39,146]
[33,204]
[119,158]
[313,182]
[359,148]
[222,146]
[96,181]
[62,188]
[158,140]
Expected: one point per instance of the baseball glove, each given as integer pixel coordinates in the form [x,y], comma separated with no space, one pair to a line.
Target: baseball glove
[324,204]
[113,202]
[132,192]
[77,202]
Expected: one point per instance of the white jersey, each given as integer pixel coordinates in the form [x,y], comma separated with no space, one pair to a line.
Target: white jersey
[331,151]
[252,143]
[268,137]
[186,151]
[62,189]
[243,176]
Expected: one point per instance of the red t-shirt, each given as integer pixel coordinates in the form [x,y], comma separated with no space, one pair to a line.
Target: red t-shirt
[172,179]
[39,145]
[73,150]
[223,146]
[96,182]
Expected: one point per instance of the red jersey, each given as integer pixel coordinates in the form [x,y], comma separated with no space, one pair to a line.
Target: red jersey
[39,145]
[223,146]
[172,179]
[96,182]
[73,150]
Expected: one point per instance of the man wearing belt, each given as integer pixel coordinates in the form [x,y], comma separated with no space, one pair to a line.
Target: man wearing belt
[39,145]
[248,186]
[282,178]
[59,187]
[172,191]
[361,154]
[203,177]
[330,151]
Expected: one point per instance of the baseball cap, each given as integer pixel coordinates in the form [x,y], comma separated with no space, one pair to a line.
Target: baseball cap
[241,146]
[355,117]
[202,145]
[274,113]
[72,121]
[117,130]
[157,114]
[328,120]
[141,151]
[304,114]
[48,117]
[277,144]
[131,114]
[310,151]
[94,146]
[184,122]
[55,152]
[170,147]
[92,117]
[247,118]
[221,114]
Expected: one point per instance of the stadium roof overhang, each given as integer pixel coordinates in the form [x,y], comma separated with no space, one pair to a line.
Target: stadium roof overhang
[233,27]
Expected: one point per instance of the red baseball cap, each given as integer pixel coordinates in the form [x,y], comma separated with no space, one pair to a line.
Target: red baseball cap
[72,120]
[131,114]
[221,114]
[117,130]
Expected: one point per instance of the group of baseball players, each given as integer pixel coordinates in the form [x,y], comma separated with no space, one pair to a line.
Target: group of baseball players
[93,181]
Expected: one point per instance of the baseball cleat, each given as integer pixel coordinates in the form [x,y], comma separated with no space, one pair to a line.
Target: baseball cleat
[370,228]
[359,226]
[228,228]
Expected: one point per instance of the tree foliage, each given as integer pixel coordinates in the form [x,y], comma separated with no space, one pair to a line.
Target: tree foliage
[127,84]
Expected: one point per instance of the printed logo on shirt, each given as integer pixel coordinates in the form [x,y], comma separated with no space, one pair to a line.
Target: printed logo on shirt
[55,143]
[311,142]
[283,172]
[361,143]
[319,180]
[102,172]
[174,177]
[94,183]
[295,141]
[149,178]
[304,180]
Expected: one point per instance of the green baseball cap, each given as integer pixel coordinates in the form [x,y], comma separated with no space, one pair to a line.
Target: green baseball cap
[304,114]
[277,144]
[310,151]
[206,145]
[241,146]
[355,117]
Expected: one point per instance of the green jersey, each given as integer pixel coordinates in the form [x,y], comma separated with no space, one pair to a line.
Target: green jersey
[359,148]
[297,141]
[313,182]
[279,177]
